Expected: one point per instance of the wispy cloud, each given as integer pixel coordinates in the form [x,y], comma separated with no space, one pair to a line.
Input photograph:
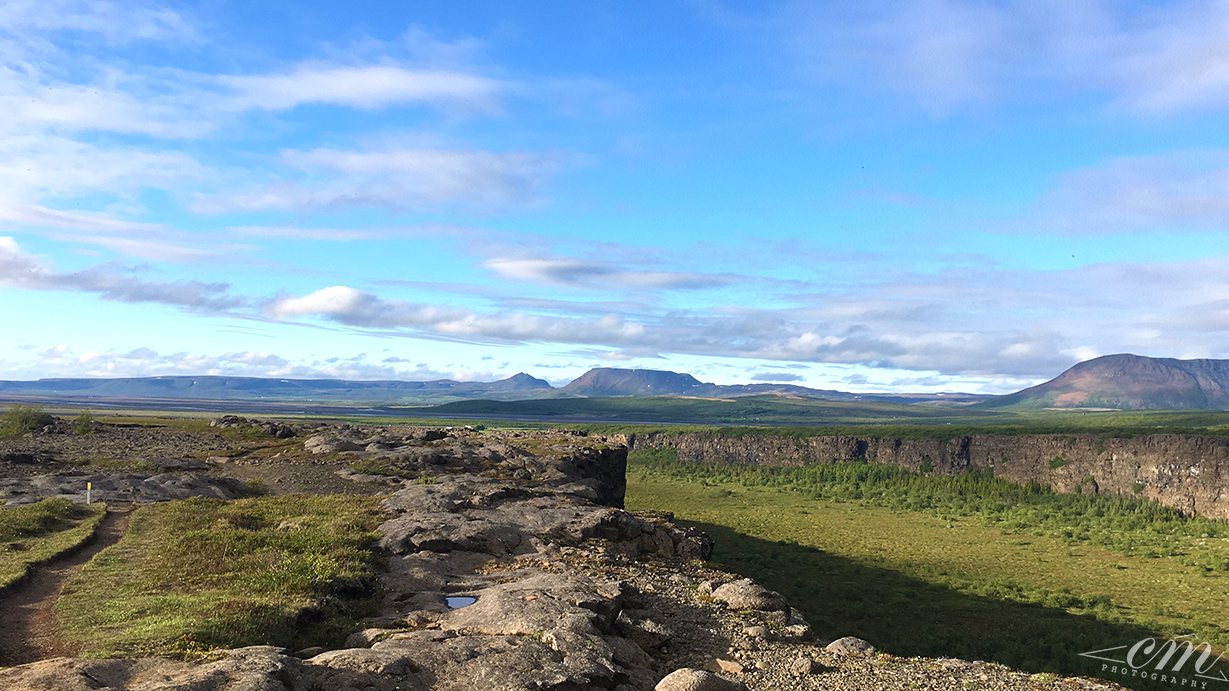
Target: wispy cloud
[334,179]
[948,54]
[1184,191]
[575,272]
[20,270]
[353,307]
[115,21]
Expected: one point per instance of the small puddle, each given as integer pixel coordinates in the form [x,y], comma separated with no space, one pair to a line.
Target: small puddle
[459,601]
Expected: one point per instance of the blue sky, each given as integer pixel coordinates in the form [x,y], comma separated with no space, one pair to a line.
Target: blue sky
[883,196]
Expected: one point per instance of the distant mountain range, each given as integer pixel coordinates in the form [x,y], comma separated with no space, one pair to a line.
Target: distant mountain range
[1129,382]
[1120,382]
[257,388]
[599,382]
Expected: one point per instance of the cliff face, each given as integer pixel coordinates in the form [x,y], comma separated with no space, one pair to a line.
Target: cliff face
[1184,471]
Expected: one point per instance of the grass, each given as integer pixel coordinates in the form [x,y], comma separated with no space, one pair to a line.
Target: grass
[200,574]
[925,581]
[34,533]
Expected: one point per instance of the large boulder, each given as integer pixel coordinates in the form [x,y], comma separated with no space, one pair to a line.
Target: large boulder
[747,594]
[322,443]
[688,679]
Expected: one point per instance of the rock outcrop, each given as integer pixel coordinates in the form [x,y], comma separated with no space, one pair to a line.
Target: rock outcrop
[117,487]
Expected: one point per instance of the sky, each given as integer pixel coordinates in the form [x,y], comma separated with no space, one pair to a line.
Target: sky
[907,195]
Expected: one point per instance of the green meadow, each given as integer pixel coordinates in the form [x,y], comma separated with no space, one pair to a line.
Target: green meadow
[954,567]
[198,574]
[36,533]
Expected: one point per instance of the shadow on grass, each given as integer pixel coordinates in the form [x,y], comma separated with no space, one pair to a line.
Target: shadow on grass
[908,616]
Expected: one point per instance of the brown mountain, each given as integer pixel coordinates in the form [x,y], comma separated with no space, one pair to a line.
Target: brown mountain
[1130,382]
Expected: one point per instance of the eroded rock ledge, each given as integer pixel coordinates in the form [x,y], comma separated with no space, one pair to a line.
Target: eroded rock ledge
[516,570]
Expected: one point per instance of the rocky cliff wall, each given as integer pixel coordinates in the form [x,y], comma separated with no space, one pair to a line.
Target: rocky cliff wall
[1188,472]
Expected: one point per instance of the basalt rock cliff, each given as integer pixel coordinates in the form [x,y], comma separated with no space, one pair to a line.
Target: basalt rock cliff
[1188,472]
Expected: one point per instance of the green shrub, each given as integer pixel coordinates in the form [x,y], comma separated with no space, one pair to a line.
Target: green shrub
[1057,462]
[23,418]
[84,423]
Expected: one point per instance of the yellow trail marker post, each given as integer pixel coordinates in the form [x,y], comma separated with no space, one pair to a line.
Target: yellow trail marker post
[88,487]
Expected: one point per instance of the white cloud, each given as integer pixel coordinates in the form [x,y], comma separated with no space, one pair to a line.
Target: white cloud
[362,86]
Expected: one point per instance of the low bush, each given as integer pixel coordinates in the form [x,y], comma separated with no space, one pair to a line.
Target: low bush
[22,419]
[84,423]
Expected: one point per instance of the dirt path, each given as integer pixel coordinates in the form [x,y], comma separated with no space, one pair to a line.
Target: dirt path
[29,628]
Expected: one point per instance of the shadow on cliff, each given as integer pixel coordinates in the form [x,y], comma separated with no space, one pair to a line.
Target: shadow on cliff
[907,616]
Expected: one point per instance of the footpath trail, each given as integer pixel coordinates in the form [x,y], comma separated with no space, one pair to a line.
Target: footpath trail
[29,628]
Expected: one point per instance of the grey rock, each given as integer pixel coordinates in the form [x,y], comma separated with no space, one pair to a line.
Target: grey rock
[118,487]
[688,679]
[322,443]
[747,594]
[756,631]
[364,638]
[363,661]
[642,630]
[850,645]
[258,668]
[803,666]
